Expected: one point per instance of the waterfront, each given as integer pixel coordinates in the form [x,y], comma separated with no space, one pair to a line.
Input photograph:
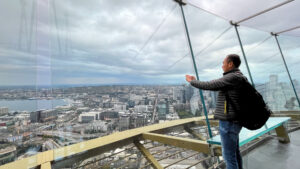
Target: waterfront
[32,105]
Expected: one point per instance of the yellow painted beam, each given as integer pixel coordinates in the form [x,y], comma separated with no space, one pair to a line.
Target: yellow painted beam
[46,165]
[30,162]
[119,136]
[195,134]
[44,157]
[24,163]
[97,143]
[213,123]
[282,134]
[148,156]
[294,115]
[192,144]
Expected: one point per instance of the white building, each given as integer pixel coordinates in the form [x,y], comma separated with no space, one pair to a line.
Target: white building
[143,108]
[3,111]
[278,94]
[87,117]
[124,122]
[120,107]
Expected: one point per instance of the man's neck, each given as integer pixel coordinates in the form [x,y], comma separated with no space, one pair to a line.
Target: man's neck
[231,70]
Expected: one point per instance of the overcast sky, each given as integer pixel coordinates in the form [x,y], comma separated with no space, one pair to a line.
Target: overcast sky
[50,42]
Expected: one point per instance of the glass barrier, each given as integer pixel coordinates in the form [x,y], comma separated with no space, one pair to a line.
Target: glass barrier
[268,70]
[20,96]
[291,47]
[73,71]
[211,47]
[266,20]
[225,9]
[116,65]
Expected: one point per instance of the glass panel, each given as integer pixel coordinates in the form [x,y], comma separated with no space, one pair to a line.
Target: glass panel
[291,48]
[72,71]
[213,39]
[287,14]
[235,10]
[18,90]
[113,62]
[268,70]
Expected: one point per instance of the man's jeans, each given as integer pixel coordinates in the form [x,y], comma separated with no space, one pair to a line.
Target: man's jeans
[229,133]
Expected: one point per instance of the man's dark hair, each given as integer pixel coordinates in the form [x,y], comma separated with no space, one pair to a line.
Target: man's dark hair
[235,59]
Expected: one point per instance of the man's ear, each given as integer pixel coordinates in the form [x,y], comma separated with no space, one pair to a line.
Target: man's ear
[231,64]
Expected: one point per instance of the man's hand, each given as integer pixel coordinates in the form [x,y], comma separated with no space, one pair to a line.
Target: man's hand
[189,78]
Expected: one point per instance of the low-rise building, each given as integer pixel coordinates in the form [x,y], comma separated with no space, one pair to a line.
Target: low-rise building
[87,117]
[3,111]
[7,154]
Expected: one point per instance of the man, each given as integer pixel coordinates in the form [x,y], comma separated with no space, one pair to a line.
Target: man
[226,114]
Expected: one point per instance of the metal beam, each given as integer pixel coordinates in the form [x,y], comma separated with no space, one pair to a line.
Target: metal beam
[213,123]
[192,144]
[29,162]
[193,133]
[196,70]
[182,2]
[68,155]
[115,140]
[286,67]
[264,11]
[148,156]
[45,157]
[293,115]
[69,161]
[282,134]
[287,30]
[169,130]
[243,52]
[181,160]
[46,165]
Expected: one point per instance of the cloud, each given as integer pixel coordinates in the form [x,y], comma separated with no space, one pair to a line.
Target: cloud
[119,42]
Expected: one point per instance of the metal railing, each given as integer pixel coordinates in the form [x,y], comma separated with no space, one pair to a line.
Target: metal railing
[69,156]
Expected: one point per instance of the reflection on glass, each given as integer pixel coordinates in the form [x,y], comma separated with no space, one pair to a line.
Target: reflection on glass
[18,96]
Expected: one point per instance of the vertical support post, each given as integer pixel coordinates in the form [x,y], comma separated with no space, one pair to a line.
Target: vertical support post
[242,48]
[241,45]
[195,67]
[155,164]
[45,159]
[193,133]
[282,134]
[275,35]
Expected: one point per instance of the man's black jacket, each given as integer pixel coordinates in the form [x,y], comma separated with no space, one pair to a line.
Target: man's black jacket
[229,83]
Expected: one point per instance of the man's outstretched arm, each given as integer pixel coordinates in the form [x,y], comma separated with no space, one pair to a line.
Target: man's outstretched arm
[217,84]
